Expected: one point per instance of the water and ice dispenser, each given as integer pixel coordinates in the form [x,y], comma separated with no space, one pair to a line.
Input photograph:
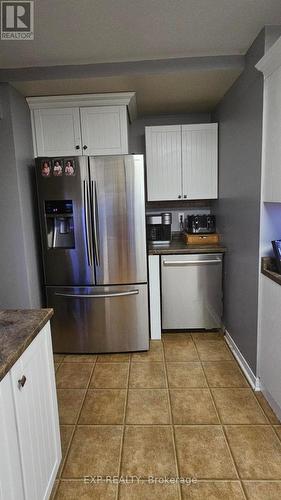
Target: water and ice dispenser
[59,224]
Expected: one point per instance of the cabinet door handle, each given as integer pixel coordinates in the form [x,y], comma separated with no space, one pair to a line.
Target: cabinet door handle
[77,147]
[179,196]
[185,196]
[85,147]
[21,382]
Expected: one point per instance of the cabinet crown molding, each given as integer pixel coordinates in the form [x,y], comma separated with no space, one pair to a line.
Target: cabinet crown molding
[271,61]
[79,100]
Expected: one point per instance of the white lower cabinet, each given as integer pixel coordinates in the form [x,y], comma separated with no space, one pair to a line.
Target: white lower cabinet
[154,296]
[30,398]
[269,349]
[11,482]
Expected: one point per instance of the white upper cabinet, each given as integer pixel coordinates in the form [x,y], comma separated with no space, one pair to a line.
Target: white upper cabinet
[57,131]
[163,162]
[87,124]
[271,141]
[200,161]
[182,162]
[104,130]
[270,65]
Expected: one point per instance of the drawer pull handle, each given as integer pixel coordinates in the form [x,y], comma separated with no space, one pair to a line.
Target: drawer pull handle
[21,381]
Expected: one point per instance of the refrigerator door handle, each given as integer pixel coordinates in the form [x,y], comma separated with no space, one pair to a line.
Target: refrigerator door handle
[95,221]
[98,296]
[87,222]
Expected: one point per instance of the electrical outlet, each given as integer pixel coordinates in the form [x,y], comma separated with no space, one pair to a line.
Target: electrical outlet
[181,217]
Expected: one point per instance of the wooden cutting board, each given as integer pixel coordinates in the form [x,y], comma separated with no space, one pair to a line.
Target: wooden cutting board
[202,239]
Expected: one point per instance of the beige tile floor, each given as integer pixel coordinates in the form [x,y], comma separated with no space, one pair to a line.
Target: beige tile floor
[183,409]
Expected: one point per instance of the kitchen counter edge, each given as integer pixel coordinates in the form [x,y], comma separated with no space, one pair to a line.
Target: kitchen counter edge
[182,248]
[18,328]
[268,268]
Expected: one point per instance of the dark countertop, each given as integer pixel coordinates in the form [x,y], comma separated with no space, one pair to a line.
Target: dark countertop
[18,327]
[268,268]
[179,246]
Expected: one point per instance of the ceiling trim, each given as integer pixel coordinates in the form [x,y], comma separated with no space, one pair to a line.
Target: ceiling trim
[68,101]
[123,68]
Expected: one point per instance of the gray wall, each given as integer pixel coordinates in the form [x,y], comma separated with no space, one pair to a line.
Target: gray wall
[20,269]
[272,33]
[136,129]
[238,209]
[193,210]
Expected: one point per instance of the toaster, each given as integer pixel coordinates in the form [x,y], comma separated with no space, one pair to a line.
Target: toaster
[197,224]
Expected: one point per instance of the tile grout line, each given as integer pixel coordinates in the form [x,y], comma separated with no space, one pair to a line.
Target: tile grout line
[172,421]
[275,431]
[66,451]
[124,427]
[263,411]
[54,489]
[180,389]
[222,428]
[75,424]
[146,479]
[268,423]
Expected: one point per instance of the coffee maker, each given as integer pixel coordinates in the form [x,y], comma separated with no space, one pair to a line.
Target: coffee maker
[159,228]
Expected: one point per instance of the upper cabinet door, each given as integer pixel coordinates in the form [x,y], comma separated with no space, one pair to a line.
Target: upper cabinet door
[163,162]
[271,138]
[57,132]
[104,130]
[200,161]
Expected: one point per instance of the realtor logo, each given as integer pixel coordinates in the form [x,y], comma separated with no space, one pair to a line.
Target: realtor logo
[17,20]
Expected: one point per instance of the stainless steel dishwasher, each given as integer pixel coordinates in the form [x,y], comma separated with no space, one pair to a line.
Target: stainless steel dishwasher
[191,291]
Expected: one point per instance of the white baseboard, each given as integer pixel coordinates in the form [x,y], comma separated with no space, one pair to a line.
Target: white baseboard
[246,369]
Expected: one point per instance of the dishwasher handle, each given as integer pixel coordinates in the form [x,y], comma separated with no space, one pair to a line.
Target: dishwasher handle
[170,263]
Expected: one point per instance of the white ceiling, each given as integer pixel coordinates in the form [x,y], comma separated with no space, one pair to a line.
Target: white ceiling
[178,92]
[77,32]
[91,31]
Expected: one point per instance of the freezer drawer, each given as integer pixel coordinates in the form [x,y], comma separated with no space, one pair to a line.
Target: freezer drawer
[99,319]
[191,291]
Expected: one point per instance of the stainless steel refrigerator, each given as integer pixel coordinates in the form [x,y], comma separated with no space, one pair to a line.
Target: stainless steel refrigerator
[92,218]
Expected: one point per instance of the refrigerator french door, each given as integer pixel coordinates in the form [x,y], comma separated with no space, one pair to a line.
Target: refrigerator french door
[94,251]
